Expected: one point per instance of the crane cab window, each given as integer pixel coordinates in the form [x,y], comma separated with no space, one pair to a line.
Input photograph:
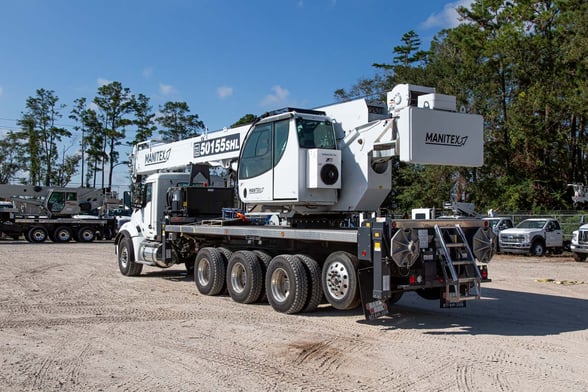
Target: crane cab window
[56,201]
[315,133]
[256,157]
[263,148]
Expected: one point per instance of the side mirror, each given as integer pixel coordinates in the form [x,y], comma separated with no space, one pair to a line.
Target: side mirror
[127,199]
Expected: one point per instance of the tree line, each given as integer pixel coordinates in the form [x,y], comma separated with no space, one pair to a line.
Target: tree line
[40,150]
[522,64]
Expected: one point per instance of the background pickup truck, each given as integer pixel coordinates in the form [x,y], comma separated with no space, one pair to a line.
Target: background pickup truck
[498,224]
[533,236]
[579,245]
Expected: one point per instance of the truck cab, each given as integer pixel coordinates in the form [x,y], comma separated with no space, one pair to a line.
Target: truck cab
[497,224]
[534,236]
[579,245]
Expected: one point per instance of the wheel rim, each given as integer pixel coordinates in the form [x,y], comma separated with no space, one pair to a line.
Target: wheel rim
[337,281]
[87,235]
[124,257]
[63,235]
[38,235]
[204,272]
[280,285]
[238,278]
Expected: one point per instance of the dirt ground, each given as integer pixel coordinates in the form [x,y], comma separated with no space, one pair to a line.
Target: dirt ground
[69,321]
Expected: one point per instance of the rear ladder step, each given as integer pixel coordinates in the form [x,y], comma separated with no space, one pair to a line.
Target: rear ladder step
[460,270]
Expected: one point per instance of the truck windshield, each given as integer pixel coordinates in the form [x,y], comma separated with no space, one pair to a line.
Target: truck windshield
[531,224]
[315,133]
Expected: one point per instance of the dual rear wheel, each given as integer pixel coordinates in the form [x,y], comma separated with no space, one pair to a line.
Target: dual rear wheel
[290,283]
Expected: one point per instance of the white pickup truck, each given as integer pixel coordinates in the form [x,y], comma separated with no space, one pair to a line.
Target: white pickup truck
[534,236]
[579,245]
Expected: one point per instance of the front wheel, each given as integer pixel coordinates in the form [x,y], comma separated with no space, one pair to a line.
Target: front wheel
[340,282]
[580,257]
[126,259]
[538,248]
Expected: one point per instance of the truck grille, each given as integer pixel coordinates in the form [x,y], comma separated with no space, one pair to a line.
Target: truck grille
[583,237]
[511,238]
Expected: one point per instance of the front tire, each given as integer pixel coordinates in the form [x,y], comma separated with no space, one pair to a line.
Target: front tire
[126,259]
[340,282]
[579,257]
[538,248]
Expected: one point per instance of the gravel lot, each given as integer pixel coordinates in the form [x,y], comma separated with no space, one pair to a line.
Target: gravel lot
[69,321]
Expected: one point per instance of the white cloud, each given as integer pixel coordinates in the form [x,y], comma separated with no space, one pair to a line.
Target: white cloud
[279,96]
[103,82]
[447,18]
[148,72]
[166,89]
[224,92]
[1,91]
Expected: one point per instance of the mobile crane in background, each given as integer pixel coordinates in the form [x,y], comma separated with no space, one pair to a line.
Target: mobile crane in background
[60,214]
[277,226]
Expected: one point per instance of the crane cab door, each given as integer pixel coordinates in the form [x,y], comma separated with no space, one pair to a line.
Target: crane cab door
[149,223]
[268,170]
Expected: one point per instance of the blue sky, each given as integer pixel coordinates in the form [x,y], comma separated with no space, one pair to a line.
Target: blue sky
[225,58]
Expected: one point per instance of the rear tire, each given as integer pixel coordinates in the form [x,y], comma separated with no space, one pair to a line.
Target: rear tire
[340,282]
[62,234]
[315,291]
[209,271]
[86,234]
[286,284]
[265,259]
[37,234]
[244,277]
[126,259]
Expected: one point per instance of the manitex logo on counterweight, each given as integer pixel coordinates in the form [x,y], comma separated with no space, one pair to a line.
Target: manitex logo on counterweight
[445,139]
[155,157]
[217,145]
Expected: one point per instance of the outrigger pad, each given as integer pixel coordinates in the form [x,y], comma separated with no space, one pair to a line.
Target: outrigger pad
[373,308]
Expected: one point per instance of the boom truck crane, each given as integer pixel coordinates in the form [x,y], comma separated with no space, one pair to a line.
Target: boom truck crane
[275,228]
[60,214]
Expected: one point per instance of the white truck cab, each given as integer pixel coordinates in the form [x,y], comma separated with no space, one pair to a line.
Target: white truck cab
[534,236]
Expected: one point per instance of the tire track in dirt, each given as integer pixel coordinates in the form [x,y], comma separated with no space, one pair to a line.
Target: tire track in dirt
[63,365]
[271,373]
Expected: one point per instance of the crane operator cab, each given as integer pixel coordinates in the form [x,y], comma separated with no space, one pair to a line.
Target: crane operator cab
[290,157]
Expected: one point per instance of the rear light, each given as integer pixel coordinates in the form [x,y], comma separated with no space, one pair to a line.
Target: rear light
[484,272]
[412,279]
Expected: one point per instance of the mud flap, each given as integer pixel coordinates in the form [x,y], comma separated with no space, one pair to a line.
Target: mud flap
[372,307]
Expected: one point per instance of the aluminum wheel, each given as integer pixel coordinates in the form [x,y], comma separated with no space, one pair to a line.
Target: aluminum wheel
[280,285]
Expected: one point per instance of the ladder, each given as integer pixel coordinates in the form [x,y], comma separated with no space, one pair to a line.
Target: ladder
[461,273]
